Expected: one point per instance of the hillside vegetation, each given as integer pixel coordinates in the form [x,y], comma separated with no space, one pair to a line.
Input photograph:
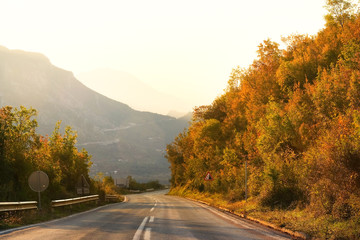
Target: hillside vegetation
[23,151]
[294,117]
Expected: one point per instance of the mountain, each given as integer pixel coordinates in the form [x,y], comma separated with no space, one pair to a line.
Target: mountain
[118,137]
[121,86]
[177,114]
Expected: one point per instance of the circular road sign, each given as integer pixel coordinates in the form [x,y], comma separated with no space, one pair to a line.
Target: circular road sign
[38,181]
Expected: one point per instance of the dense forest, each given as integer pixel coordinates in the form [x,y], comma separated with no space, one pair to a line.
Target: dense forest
[23,151]
[293,117]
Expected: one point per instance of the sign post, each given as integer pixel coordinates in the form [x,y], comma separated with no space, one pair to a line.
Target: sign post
[246,188]
[82,186]
[38,182]
[245,180]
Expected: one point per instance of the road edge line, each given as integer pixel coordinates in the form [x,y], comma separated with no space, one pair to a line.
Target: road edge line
[297,234]
[11,230]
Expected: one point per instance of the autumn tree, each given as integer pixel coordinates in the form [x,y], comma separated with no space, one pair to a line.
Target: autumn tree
[17,139]
[23,151]
[339,11]
[73,163]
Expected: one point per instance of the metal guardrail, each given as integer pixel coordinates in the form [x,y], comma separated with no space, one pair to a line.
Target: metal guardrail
[109,198]
[17,206]
[135,191]
[71,201]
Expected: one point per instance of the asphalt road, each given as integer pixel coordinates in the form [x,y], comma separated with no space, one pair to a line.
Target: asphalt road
[148,216]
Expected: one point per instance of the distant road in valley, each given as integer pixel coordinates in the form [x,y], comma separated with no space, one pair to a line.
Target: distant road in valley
[148,216]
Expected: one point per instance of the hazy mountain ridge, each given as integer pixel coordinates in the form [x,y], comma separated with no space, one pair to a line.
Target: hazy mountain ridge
[108,129]
[120,86]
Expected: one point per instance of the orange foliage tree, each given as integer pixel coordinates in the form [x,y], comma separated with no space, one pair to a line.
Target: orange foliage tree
[293,115]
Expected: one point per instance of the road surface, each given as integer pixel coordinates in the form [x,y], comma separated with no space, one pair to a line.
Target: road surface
[148,216]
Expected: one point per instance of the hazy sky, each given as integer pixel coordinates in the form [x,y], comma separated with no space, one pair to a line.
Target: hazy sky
[186,48]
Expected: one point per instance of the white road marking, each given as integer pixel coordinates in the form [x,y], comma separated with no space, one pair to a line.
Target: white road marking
[140,229]
[152,219]
[242,223]
[153,208]
[147,234]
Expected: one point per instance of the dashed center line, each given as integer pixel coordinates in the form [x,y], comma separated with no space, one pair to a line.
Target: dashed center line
[153,207]
[140,229]
[147,234]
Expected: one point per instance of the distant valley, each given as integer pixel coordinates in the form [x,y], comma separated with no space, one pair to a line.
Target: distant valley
[121,140]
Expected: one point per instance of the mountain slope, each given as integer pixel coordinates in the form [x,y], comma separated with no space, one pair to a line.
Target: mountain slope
[119,138]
